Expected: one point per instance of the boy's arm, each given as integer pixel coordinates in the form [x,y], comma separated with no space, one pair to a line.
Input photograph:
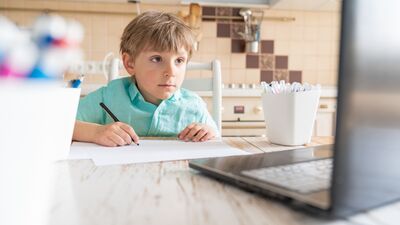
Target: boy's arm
[85,131]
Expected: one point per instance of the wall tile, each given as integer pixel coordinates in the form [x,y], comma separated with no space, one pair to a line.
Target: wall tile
[235,12]
[309,47]
[281,62]
[296,61]
[223,30]
[310,33]
[310,62]
[267,46]
[237,28]
[267,61]
[324,48]
[324,63]
[310,76]
[223,11]
[238,61]
[282,32]
[113,42]
[268,30]
[226,76]
[208,45]
[209,29]
[98,25]
[237,46]
[238,75]
[115,25]
[208,11]
[252,61]
[281,75]
[99,43]
[326,77]
[252,76]
[267,76]
[223,45]
[295,76]
[297,33]
[225,60]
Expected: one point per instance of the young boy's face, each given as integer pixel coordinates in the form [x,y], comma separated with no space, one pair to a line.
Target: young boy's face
[158,74]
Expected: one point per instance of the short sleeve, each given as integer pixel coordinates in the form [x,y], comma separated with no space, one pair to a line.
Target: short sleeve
[89,109]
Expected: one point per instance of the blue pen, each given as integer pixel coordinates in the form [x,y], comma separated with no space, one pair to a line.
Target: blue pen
[76,82]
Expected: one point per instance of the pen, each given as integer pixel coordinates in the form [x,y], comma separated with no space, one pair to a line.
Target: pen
[108,111]
[76,82]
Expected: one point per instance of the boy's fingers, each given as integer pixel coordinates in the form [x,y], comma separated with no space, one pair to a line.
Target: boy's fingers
[117,139]
[193,132]
[200,135]
[110,143]
[124,135]
[208,136]
[183,133]
[131,132]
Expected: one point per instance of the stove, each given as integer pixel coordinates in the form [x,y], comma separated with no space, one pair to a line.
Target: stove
[242,113]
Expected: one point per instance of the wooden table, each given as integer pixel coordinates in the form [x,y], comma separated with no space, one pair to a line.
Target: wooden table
[172,193]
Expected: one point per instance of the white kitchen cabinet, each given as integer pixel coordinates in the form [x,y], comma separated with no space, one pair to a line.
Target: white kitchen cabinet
[325,121]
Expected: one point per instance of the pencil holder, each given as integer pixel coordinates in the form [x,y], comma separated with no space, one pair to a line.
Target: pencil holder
[37,121]
[290,117]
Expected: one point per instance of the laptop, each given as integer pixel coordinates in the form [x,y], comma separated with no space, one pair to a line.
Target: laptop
[361,170]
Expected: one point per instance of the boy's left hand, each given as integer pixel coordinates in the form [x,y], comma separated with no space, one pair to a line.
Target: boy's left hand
[197,132]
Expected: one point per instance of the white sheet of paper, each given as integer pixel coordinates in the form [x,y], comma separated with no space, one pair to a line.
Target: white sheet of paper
[151,151]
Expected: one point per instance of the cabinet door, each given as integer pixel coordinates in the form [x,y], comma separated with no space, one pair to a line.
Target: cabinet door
[325,124]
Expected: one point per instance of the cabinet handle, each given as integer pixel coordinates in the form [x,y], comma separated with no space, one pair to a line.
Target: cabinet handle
[323,106]
[257,109]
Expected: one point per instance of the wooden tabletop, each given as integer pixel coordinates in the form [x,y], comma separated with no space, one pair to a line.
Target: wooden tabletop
[172,193]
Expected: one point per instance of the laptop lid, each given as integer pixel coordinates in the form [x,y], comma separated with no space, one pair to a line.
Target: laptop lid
[366,166]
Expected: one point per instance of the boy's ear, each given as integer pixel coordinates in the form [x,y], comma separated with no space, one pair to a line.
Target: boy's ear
[128,63]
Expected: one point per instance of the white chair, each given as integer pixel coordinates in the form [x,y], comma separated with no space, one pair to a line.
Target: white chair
[212,84]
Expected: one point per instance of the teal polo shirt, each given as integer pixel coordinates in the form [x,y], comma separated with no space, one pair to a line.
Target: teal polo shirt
[123,98]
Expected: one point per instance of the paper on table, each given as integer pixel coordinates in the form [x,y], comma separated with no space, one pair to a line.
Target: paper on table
[151,151]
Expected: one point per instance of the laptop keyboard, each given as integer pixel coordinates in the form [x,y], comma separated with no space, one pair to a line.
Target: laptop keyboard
[305,177]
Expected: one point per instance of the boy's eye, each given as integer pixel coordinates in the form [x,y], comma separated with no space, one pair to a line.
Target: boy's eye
[156,59]
[180,60]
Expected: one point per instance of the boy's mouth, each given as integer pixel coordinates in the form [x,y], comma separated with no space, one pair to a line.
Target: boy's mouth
[167,85]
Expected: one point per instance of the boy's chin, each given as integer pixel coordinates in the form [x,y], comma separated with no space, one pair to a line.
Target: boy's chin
[166,95]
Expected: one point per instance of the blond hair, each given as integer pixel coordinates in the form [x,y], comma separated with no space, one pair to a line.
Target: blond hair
[156,31]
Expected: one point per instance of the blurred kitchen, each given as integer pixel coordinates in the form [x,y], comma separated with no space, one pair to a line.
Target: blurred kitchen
[262,40]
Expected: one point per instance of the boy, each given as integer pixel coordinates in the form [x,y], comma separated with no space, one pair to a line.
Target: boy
[155,49]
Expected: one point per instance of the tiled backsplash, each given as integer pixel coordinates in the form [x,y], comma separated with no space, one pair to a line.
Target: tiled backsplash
[299,50]
[302,50]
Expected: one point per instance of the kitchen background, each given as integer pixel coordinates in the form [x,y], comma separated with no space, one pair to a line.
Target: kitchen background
[299,42]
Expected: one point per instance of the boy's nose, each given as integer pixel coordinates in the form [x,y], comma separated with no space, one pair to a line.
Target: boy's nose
[169,70]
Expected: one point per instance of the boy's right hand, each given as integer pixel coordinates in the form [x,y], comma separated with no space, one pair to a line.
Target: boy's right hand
[115,134]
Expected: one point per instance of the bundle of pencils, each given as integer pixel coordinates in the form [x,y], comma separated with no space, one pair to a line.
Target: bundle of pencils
[44,51]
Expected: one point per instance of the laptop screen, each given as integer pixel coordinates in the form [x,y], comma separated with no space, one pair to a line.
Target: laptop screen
[367,172]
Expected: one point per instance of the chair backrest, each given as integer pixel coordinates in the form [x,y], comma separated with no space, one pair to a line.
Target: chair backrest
[212,84]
